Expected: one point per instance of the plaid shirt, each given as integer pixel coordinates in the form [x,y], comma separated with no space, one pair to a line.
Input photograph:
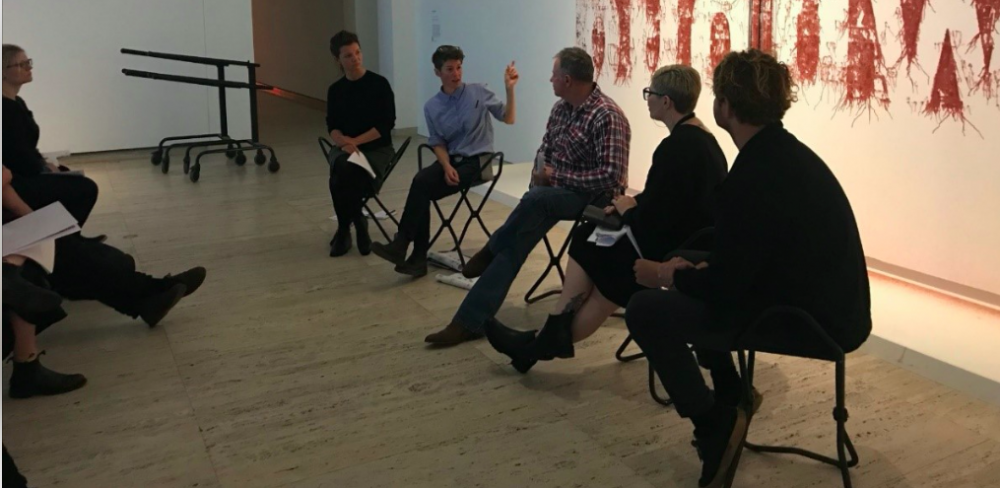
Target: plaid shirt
[588,146]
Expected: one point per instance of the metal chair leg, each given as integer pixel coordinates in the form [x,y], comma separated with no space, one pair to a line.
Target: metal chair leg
[666,402]
[847,455]
[553,263]
[620,353]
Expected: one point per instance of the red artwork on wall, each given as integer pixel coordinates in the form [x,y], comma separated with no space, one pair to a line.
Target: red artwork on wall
[911,14]
[762,25]
[654,13]
[598,41]
[865,76]
[720,41]
[946,100]
[987,14]
[685,20]
[807,42]
[623,57]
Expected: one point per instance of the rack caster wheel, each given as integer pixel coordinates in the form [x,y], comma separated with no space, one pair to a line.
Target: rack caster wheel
[259,159]
[165,163]
[156,157]
[195,173]
[241,159]
[273,166]
[187,165]
[231,154]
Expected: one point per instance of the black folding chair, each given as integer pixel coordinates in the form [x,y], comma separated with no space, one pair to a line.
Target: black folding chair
[326,146]
[483,176]
[791,331]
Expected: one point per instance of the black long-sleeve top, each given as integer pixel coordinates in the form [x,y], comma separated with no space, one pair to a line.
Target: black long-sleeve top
[785,235]
[679,196]
[355,107]
[20,139]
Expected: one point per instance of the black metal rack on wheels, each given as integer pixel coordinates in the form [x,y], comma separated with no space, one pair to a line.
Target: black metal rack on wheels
[234,147]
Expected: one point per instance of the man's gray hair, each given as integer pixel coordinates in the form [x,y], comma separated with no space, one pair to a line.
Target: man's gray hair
[576,63]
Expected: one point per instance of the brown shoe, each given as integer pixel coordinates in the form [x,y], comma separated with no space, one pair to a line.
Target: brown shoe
[452,335]
[477,264]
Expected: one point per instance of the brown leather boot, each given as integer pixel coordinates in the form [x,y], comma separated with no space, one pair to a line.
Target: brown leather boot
[452,335]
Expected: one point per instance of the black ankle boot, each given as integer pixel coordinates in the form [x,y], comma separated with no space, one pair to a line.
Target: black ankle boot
[515,344]
[415,266]
[31,378]
[341,242]
[556,339]
[364,240]
[394,252]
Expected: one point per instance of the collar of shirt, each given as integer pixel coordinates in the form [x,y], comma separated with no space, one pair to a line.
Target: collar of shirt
[455,96]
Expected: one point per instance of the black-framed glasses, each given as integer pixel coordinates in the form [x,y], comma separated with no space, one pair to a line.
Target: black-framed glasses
[646,92]
[26,64]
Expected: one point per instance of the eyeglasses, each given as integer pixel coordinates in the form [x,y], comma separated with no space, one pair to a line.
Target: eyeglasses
[646,92]
[26,64]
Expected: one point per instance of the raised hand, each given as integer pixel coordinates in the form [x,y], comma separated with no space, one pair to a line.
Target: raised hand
[510,75]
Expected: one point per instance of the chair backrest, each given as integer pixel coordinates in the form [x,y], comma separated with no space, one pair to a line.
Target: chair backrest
[326,146]
[790,331]
[397,157]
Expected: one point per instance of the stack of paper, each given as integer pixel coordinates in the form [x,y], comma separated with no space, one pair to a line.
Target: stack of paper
[33,236]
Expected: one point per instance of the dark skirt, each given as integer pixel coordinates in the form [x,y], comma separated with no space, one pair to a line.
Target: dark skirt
[610,268]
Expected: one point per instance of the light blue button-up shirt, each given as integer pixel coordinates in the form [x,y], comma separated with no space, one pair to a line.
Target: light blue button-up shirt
[461,121]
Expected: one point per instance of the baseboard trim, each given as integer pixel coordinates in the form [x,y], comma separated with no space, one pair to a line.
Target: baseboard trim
[932,368]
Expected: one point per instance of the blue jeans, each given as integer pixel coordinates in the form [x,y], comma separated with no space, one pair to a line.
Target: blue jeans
[540,209]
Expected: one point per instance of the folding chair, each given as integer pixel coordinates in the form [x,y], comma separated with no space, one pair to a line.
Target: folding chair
[326,146]
[791,331]
[484,176]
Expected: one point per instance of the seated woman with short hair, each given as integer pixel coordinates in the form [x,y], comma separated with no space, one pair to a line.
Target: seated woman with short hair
[676,202]
[361,112]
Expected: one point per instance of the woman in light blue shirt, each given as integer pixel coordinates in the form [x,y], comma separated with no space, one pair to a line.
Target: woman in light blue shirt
[461,133]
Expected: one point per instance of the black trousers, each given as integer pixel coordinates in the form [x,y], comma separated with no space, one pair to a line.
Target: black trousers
[349,185]
[91,270]
[429,185]
[663,323]
[11,476]
[76,192]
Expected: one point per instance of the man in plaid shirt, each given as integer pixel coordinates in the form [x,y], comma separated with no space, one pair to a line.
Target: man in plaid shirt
[583,158]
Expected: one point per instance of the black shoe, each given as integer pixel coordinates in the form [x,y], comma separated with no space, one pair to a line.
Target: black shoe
[191,279]
[341,243]
[476,266]
[515,344]
[153,309]
[31,378]
[364,240]
[394,252]
[415,266]
[555,340]
[721,445]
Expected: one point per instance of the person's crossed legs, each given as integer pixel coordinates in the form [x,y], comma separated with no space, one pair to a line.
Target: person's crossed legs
[502,257]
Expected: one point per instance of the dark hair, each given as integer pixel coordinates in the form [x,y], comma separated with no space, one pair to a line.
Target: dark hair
[446,53]
[758,87]
[341,39]
[576,63]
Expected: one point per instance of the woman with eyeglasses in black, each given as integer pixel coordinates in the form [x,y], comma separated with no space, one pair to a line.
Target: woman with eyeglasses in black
[676,202]
[38,181]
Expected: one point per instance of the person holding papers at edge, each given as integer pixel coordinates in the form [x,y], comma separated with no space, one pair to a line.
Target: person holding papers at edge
[360,115]
[461,133]
[677,201]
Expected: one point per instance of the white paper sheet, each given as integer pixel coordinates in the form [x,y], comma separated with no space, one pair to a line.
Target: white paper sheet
[49,223]
[358,158]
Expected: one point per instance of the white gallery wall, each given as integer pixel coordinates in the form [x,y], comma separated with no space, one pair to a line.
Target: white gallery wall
[84,103]
[925,185]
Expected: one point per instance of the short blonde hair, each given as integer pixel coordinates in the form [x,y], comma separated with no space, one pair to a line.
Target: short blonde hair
[9,51]
[679,82]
